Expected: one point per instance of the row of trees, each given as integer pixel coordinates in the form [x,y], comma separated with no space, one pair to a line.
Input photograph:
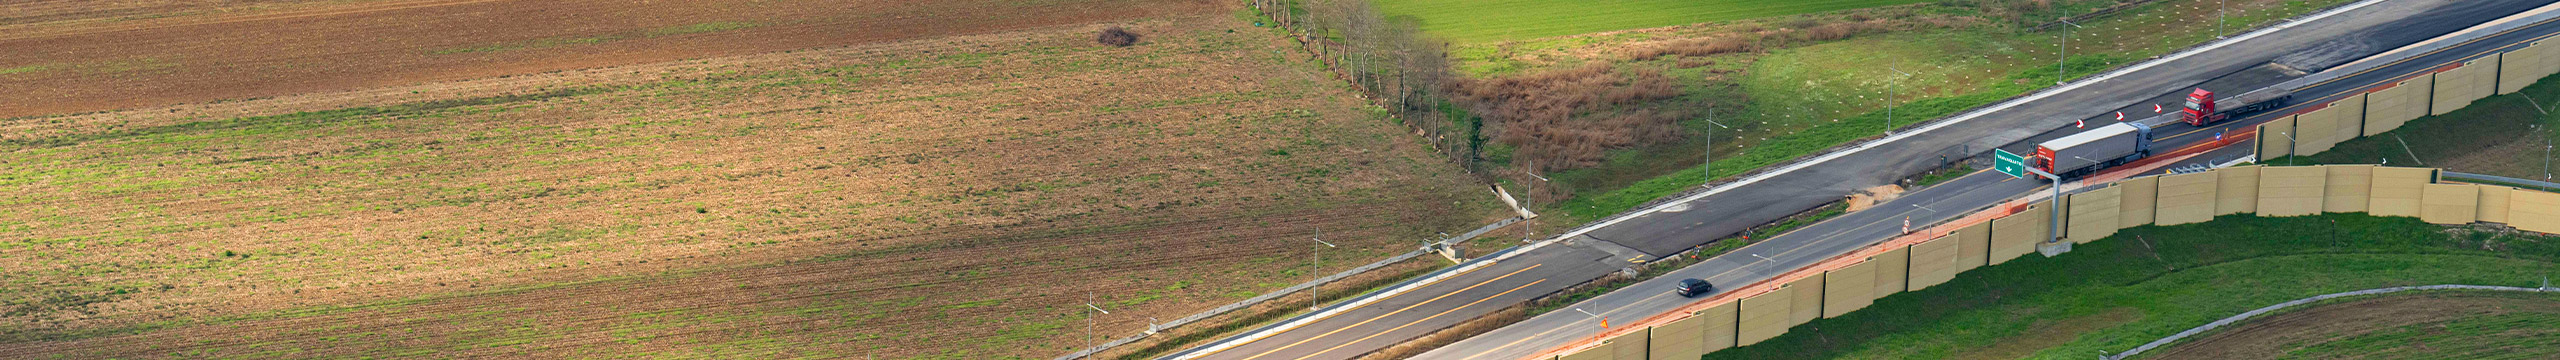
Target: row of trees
[1391,62]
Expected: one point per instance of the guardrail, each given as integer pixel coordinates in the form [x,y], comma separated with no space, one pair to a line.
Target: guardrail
[2545,185]
[1265,297]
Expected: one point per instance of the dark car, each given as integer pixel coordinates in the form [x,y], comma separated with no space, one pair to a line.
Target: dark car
[1693,287]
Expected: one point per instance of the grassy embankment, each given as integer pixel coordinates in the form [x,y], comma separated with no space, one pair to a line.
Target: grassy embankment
[2149,282]
[2457,324]
[2504,135]
[1804,96]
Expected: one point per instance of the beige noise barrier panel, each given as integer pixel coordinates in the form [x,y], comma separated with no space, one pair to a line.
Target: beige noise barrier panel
[1720,324]
[1893,271]
[2318,130]
[1933,262]
[2275,138]
[1808,300]
[2450,204]
[2459,87]
[2017,234]
[2350,188]
[1764,316]
[2520,68]
[2291,190]
[1848,289]
[2187,198]
[2388,109]
[2092,214]
[1680,339]
[2493,203]
[2396,190]
[2534,211]
[2239,192]
[2138,197]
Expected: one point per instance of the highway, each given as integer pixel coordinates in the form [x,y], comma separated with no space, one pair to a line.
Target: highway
[2340,37]
[1975,191]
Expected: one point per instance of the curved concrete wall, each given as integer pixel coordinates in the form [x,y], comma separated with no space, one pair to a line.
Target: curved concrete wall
[2180,199]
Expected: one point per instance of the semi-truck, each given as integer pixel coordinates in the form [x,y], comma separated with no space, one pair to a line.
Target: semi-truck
[2201,111]
[2071,157]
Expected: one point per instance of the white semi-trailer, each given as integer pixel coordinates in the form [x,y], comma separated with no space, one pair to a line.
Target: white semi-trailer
[2071,157]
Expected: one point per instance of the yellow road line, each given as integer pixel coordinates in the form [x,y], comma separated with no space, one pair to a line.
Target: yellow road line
[1383,316]
[1428,318]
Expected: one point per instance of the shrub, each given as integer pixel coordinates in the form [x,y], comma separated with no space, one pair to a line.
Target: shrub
[1571,118]
[1116,36]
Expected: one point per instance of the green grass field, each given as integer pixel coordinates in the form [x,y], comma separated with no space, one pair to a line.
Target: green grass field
[2504,135]
[1490,21]
[2149,282]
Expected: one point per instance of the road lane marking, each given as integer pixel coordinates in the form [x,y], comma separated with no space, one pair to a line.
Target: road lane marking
[1383,316]
[1739,268]
[1427,318]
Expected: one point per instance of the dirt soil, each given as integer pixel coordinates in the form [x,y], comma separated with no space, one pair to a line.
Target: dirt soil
[2436,319]
[953,197]
[82,56]
[1869,197]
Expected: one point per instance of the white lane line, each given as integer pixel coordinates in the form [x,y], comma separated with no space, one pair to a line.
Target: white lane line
[1978,113]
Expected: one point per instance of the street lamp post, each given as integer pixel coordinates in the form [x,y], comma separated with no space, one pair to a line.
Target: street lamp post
[1604,321]
[1707,173]
[1528,225]
[1318,272]
[2061,75]
[1889,92]
[2218,16]
[2288,144]
[1089,318]
[1771,261]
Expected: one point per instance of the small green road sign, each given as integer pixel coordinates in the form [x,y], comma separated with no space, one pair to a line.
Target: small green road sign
[2007,163]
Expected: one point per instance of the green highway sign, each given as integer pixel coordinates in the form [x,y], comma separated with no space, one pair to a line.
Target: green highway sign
[2007,163]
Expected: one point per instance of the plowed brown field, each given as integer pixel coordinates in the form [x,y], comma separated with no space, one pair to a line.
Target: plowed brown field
[77,56]
[953,197]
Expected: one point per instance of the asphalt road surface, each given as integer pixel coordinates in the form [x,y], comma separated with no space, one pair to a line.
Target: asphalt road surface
[1976,191]
[1440,304]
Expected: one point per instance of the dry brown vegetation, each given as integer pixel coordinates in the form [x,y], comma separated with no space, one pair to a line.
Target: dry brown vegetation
[945,198]
[1570,118]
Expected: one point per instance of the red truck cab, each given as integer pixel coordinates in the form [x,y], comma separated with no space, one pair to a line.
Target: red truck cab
[2199,109]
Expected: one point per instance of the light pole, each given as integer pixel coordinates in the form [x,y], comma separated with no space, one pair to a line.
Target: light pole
[1924,208]
[1889,92]
[1529,225]
[2084,159]
[2061,75]
[1771,261]
[2288,145]
[1604,321]
[1708,169]
[1088,318]
[2218,16]
[1312,300]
